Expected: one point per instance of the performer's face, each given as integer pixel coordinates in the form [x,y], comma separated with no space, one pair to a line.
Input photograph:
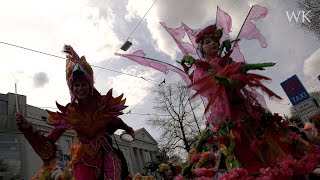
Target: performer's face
[210,47]
[168,174]
[81,89]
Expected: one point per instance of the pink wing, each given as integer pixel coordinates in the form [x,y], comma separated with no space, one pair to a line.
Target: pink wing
[139,57]
[177,34]
[236,55]
[223,21]
[249,30]
[192,33]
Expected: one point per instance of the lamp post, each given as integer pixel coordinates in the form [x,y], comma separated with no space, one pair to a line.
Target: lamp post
[126,45]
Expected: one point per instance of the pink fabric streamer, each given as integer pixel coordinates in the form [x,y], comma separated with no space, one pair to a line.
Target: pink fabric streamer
[218,104]
[236,55]
[192,33]
[223,21]
[139,57]
[177,34]
[249,30]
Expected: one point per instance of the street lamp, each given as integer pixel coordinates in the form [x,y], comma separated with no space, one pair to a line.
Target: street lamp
[126,45]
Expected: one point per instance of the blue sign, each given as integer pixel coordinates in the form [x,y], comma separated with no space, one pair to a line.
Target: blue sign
[295,90]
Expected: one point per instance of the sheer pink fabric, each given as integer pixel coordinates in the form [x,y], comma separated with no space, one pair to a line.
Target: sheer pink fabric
[139,57]
[224,22]
[203,81]
[177,34]
[249,30]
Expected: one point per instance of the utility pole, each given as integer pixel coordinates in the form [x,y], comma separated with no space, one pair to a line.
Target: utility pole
[318,96]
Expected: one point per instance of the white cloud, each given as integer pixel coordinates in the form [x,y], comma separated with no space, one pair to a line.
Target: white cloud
[134,89]
[50,24]
[40,79]
[311,65]
[46,26]
[137,8]
[95,27]
[194,14]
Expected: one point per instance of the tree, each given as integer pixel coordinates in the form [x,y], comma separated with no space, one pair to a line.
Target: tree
[312,7]
[177,118]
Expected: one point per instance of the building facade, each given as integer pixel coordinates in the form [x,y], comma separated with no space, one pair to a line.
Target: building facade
[18,160]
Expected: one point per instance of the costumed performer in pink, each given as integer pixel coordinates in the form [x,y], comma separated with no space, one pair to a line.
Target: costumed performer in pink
[242,136]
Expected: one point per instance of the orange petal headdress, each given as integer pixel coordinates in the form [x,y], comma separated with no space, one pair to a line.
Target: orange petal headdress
[74,64]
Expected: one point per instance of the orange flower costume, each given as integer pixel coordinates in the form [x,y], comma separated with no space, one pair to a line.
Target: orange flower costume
[91,153]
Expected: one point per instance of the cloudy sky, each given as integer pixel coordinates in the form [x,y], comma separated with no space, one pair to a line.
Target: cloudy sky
[97,29]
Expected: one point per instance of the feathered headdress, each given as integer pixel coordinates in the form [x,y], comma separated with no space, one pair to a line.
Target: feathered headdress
[162,167]
[74,65]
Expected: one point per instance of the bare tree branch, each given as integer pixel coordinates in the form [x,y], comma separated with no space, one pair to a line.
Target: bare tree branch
[312,8]
[180,126]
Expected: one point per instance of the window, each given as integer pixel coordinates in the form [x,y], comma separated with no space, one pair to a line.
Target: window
[66,157]
[10,156]
[12,148]
[68,143]
[3,107]
[59,154]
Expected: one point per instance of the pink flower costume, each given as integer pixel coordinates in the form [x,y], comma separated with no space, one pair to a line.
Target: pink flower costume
[92,125]
[243,139]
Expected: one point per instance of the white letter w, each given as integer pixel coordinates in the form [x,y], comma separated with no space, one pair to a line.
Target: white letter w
[293,14]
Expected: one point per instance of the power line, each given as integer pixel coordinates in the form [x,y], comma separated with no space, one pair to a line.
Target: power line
[129,35]
[28,113]
[35,118]
[288,104]
[141,19]
[32,50]
[310,82]
[140,77]
[129,112]
[138,103]
[48,54]
[47,107]
[148,114]
[163,82]
[314,86]
[91,64]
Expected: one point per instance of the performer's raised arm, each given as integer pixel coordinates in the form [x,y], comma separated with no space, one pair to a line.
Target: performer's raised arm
[42,145]
[119,124]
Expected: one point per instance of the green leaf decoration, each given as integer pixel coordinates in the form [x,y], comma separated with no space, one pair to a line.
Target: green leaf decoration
[202,140]
[258,66]
[218,34]
[227,44]
[228,82]
[188,60]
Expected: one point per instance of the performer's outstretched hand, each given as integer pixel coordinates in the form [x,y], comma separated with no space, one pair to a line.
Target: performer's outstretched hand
[22,121]
[130,131]
[71,53]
